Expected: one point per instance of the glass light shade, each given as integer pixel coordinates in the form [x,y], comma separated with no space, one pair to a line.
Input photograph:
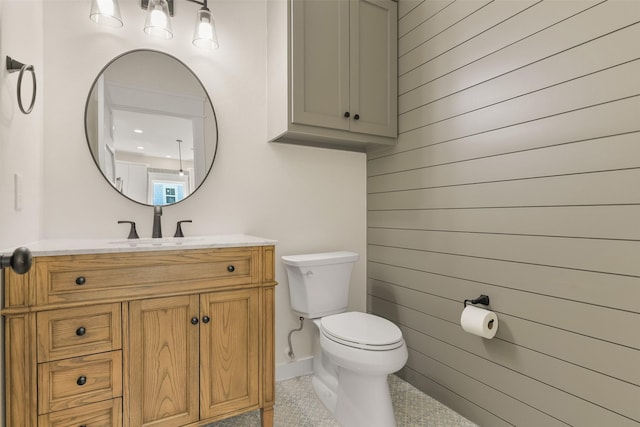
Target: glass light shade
[157,23]
[204,34]
[106,12]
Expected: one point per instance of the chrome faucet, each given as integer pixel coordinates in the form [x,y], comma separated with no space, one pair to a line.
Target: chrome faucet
[157,223]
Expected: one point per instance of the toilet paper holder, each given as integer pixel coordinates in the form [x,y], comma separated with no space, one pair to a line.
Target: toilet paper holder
[482,299]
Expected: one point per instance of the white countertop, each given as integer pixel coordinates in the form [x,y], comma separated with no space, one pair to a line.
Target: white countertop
[53,247]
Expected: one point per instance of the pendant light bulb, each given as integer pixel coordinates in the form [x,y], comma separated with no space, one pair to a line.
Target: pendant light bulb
[157,23]
[106,12]
[204,34]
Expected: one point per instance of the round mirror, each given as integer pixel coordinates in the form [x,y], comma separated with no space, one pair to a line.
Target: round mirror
[151,127]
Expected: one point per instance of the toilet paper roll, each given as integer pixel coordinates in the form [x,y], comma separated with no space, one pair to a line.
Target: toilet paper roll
[479,321]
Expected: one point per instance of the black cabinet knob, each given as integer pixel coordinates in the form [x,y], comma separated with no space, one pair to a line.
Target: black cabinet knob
[194,320]
[81,281]
[82,380]
[356,117]
[231,269]
[206,319]
[346,114]
[81,331]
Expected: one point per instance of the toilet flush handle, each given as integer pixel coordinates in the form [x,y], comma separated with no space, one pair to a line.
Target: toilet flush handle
[309,274]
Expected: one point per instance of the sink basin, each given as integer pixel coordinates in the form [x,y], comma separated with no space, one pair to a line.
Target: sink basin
[163,241]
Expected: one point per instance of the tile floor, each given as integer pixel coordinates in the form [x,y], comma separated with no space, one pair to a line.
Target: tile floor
[298,406]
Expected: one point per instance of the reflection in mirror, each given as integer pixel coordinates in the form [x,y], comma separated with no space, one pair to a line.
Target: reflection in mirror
[151,127]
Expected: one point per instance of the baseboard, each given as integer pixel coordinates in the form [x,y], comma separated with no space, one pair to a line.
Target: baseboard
[294,369]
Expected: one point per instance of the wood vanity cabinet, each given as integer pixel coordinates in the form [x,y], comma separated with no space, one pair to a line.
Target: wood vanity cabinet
[332,72]
[155,338]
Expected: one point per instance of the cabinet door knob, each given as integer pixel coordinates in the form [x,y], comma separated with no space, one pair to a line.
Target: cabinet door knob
[81,331]
[206,319]
[82,380]
[356,117]
[81,281]
[346,114]
[231,269]
[194,320]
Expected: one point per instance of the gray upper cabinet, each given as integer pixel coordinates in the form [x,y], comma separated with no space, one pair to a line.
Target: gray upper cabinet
[332,67]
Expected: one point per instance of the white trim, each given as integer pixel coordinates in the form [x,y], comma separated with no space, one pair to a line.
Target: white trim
[294,369]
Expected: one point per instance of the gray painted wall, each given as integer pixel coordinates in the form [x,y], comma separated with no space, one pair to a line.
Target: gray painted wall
[517,175]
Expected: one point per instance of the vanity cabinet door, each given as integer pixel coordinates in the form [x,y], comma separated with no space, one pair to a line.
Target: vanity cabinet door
[163,365]
[229,352]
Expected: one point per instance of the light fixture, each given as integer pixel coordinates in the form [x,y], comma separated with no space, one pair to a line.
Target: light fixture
[179,141]
[158,21]
[204,35]
[106,12]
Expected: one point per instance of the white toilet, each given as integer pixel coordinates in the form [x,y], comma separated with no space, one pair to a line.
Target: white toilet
[357,350]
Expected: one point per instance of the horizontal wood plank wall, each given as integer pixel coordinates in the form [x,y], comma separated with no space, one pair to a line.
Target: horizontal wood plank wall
[516,175]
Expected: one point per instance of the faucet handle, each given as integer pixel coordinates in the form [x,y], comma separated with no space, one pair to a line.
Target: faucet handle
[179,228]
[133,233]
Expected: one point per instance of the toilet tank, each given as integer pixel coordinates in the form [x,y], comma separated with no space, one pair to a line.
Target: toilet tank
[319,283]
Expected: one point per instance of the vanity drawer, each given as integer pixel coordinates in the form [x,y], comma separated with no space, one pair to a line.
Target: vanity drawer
[102,414]
[85,277]
[78,331]
[70,383]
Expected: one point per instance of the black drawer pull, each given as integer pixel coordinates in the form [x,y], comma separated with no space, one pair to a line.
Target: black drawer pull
[81,331]
[231,269]
[83,425]
[356,117]
[82,380]
[194,320]
[81,281]
[206,319]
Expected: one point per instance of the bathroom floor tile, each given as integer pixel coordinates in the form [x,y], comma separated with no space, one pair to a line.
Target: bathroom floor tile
[298,406]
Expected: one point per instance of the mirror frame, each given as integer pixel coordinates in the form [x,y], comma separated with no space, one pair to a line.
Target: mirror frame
[94,156]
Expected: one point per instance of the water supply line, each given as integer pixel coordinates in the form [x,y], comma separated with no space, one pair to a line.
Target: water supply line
[290,353]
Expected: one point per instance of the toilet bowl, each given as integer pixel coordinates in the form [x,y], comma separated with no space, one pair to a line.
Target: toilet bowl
[356,351]
[364,357]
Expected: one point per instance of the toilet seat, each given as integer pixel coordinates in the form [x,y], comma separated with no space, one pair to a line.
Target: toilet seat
[362,330]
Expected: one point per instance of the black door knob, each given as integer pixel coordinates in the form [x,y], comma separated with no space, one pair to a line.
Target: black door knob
[356,117]
[81,281]
[82,380]
[19,261]
[346,114]
[231,269]
[194,320]
[206,319]
[81,331]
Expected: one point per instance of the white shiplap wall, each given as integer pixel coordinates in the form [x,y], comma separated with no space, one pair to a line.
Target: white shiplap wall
[516,175]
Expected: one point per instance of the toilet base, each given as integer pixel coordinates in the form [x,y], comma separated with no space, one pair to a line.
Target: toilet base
[363,400]
[327,396]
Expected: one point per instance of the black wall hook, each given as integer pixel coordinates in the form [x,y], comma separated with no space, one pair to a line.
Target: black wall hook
[482,299]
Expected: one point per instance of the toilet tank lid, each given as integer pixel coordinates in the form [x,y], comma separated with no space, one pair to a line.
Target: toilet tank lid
[307,260]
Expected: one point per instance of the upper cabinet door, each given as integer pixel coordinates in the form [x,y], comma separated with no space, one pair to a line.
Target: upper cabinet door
[373,67]
[320,63]
[344,72]
[332,73]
